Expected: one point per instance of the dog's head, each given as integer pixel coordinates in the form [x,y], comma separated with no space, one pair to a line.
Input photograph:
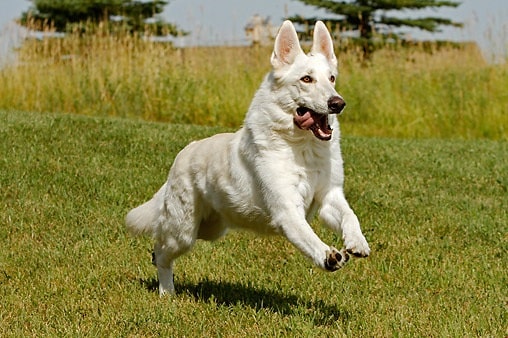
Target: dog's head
[307,81]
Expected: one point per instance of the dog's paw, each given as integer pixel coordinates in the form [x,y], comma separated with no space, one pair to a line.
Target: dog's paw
[335,259]
[357,245]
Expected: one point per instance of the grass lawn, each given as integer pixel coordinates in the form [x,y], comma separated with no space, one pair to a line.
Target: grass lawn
[434,211]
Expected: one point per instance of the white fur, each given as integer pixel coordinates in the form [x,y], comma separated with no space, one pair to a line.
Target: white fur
[270,176]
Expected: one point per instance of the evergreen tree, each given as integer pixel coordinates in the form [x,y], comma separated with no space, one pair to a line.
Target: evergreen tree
[65,15]
[372,21]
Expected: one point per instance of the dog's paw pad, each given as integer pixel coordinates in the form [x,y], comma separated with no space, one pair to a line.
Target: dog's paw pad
[335,259]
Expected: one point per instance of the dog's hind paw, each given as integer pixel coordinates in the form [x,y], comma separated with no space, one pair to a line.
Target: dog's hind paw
[335,259]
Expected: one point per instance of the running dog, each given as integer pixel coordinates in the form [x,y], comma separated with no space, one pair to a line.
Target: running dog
[271,176]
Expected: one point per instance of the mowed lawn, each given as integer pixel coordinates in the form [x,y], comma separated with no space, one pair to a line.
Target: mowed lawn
[434,211]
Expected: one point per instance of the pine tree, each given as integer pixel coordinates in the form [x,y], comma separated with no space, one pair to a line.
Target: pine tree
[66,15]
[371,21]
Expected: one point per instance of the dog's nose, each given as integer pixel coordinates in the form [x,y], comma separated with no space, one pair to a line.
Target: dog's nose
[336,104]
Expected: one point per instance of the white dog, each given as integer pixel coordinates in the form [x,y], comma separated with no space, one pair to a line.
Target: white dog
[271,176]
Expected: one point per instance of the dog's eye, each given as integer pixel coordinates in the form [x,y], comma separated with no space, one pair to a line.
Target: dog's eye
[332,79]
[306,79]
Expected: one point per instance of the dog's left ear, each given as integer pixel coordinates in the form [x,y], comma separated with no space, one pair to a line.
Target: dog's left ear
[322,43]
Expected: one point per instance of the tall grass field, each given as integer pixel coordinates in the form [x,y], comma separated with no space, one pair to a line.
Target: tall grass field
[90,124]
[416,92]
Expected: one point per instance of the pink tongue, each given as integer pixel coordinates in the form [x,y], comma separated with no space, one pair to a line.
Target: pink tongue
[305,121]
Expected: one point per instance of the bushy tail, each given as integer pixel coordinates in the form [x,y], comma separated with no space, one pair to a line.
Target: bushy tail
[142,219]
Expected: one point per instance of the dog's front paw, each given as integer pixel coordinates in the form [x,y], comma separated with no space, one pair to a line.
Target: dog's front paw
[357,245]
[335,259]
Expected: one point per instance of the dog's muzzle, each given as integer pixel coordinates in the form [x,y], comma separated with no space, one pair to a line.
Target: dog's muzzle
[308,119]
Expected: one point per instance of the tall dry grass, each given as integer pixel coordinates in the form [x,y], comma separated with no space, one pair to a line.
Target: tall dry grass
[448,92]
[126,76]
[444,93]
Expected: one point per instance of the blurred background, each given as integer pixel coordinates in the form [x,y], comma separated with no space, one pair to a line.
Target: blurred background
[222,22]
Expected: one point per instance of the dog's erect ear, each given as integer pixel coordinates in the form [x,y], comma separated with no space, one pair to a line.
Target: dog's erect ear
[287,47]
[322,43]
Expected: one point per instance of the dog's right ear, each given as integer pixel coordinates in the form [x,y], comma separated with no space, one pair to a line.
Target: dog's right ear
[287,47]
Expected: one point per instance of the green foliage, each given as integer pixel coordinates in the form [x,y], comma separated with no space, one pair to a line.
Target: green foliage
[435,213]
[69,15]
[370,19]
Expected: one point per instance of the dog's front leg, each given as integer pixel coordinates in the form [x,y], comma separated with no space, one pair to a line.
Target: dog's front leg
[285,206]
[301,235]
[288,218]
[336,214]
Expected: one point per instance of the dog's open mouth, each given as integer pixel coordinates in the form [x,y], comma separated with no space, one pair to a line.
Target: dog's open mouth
[308,119]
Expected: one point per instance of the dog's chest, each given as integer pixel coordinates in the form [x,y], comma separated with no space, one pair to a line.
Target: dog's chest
[313,171]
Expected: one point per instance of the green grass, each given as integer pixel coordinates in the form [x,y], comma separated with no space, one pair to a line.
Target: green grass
[434,211]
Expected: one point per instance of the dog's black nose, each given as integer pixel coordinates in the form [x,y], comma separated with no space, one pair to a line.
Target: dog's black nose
[336,104]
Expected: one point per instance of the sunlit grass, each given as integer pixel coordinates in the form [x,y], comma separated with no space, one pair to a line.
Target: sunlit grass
[434,211]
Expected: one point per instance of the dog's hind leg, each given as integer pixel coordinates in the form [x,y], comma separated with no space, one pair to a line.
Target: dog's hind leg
[164,259]
[172,241]
[165,253]
[166,284]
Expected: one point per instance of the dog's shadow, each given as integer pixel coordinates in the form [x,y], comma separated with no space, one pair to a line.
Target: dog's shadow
[228,294]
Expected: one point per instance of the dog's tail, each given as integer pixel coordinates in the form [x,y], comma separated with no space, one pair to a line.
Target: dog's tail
[142,219]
